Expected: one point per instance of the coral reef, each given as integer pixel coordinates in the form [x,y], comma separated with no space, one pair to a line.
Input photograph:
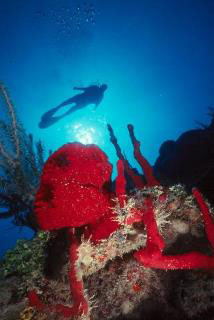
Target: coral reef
[21,163]
[106,254]
[155,228]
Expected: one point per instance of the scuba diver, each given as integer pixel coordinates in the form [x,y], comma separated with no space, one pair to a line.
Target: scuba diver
[90,95]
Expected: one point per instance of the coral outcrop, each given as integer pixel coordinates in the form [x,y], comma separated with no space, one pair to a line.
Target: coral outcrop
[113,273]
[189,160]
[145,251]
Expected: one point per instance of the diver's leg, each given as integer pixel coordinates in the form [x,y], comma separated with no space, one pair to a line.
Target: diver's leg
[50,113]
[66,102]
[48,117]
[73,109]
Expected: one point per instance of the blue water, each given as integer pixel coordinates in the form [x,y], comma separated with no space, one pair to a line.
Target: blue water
[155,55]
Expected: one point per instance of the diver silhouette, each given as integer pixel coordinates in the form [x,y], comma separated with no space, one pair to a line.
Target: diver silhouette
[91,95]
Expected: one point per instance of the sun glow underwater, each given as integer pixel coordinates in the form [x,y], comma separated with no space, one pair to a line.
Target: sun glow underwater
[85,133]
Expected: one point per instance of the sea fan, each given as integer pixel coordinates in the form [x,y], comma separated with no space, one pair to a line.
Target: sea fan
[21,162]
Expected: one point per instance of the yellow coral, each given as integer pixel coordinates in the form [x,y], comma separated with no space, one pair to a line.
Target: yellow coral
[27,314]
[30,313]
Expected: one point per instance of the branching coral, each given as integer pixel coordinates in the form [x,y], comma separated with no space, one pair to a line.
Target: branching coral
[21,162]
